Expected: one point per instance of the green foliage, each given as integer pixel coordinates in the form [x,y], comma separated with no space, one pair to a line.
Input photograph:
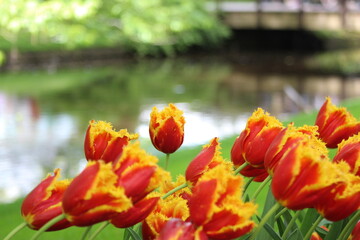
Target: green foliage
[149,27]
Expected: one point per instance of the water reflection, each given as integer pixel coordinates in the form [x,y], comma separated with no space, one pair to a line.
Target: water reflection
[38,135]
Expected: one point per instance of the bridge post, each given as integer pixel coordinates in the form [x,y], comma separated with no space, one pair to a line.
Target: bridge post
[300,14]
[342,12]
[258,14]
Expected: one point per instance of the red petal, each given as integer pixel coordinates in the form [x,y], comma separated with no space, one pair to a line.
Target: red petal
[199,164]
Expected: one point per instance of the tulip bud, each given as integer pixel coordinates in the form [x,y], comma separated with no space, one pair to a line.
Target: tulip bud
[166,129]
[43,203]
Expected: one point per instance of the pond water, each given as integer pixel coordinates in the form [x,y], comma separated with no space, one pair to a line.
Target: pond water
[38,134]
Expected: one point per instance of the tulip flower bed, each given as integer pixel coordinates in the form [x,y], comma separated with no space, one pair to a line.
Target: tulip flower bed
[311,195]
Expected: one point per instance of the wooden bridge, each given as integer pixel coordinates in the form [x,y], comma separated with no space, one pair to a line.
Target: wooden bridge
[332,15]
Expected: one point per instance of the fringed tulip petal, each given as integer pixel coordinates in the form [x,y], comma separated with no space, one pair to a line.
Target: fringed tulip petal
[349,152]
[166,209]
[208,158]
[216,205]
[43,203]
[335,124]
[135,214]
[287,138]
[104,143]
[93,196]
[166,129]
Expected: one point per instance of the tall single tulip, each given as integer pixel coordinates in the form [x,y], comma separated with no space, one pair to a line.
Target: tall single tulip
[217,207]
[349,152]
[166,128]
[102,142]
[43,203]
[252,143]
[287,138]
[335,124]
[94,195]
[208,158]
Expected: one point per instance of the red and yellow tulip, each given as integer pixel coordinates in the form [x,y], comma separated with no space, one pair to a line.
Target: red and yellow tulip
[349,152]
[252,143]
[335,124]
[102,142]
[139,175]
[355,234]
[217,207]
[166,209]
[166,128]
[94,195]
[287,138]
[44,203]
[208,158]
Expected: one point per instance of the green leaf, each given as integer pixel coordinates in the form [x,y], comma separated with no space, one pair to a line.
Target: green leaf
[310,217]
[335,230]
[281,226]
[269,203]
[133,234]
[322,232]
[295,235]
[272,232]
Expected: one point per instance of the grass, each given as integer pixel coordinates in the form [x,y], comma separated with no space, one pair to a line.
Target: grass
[10,213]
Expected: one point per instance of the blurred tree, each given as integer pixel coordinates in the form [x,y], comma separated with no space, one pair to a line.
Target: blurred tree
[148,26]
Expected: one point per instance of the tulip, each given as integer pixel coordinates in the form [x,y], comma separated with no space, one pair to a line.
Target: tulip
[139,175]
[306,178]
[335,124]
[343,198]
[208,158]
[302,175]
[104,143]
[94,196]
[176,229]
[252,143]
[166,129]
[315,236]
[217,207]
[287,138]
[43,203]
[349,151]
[172,207]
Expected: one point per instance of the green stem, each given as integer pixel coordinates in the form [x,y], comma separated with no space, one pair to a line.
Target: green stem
[349,226]
[248,184]
[265,219]
[240,168]
[291,223]
[263,184]
[102,227]
[280,213]
[184,185]
[313,227]
[48,225]
[15,231]
[167,161]
[88,229]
